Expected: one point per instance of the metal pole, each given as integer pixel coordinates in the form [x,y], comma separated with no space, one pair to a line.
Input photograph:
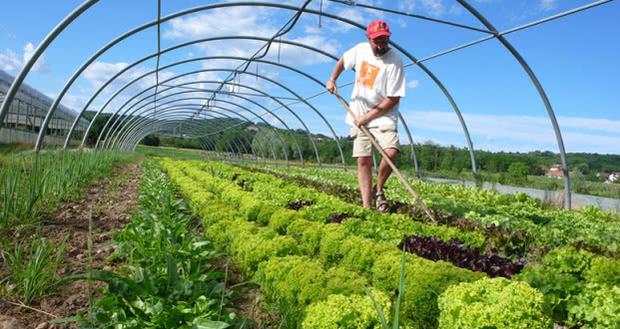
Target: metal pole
[37,53]
[541,92]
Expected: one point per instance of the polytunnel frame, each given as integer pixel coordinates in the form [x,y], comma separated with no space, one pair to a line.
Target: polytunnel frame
[191,60]
[107,132]
[204,143]
[106,142]
[130,145]
[426,70]
[202,82]
[185,110]
[280,6]
[87,4]
[136,125]
[155,86]
[149,73]
[196,82]
[177,111]
[162,125]
[440,85]
[213,146]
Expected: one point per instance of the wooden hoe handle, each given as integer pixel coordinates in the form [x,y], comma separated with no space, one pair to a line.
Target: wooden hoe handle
[400,176]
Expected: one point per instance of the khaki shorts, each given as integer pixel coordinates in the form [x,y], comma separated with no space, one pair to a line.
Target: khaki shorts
[387,137]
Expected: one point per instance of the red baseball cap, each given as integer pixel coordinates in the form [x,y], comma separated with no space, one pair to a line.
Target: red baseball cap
[377,28]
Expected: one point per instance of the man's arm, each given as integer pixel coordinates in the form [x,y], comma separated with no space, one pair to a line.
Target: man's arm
[383,107]
[331,83]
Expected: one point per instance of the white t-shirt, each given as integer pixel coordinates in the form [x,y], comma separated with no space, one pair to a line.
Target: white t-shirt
[375,78]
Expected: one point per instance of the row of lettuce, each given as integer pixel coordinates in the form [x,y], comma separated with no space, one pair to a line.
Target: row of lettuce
[321,274]
[33,184]
[588,227]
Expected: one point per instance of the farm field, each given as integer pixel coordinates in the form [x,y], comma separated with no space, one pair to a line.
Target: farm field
[208,244]
[202,165]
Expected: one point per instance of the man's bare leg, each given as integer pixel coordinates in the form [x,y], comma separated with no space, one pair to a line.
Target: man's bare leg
[384,168]
[364,177]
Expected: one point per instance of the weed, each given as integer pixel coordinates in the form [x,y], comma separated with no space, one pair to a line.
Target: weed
[401,291]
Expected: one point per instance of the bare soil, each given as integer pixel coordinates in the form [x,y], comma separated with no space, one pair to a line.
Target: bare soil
[247,299]
[108,202]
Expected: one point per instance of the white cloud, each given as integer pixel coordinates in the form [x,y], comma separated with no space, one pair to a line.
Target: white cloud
[435,7]
[11,62]
[74,102]
[71,101]
[548,4]
[221,22]
[605,125]
[294,55]
[248,21]
[431,7]
[514,132]
[98,73]
[413,84]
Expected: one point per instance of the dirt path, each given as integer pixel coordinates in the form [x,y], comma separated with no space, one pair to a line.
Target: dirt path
[108,202]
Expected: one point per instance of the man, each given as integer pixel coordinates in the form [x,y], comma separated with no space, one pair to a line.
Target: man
[379,85]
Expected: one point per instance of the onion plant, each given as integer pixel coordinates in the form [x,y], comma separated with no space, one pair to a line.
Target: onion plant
[31,267]
[31,185]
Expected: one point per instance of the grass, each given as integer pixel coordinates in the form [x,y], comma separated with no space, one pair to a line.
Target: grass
[31,267]
[14,148]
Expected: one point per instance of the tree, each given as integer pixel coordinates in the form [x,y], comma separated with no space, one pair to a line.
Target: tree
[151,140]
[517,173]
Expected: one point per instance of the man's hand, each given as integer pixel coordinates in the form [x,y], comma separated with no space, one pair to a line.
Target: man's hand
[361,120]
[331,86]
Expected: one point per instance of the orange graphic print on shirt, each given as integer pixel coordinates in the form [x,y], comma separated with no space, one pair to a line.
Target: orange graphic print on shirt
[368,74]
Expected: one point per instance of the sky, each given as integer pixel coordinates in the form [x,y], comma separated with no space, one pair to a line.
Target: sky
[574,57]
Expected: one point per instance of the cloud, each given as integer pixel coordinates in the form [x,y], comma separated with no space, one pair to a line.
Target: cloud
[256,21]
[71,101]
[99,72]
[222,22]
[514,132]
[413,84]
[11,62]
[547,5]
[429,7]
[75,102]
[300,56]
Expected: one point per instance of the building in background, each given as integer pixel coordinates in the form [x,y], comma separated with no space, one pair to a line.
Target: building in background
[27,112]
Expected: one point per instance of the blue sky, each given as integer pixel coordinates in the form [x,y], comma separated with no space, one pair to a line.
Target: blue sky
[574,57]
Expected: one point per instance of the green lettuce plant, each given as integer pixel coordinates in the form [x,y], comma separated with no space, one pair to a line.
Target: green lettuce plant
[492,303]
[341,311]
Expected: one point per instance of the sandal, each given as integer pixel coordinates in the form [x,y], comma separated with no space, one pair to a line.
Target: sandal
[381,202]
